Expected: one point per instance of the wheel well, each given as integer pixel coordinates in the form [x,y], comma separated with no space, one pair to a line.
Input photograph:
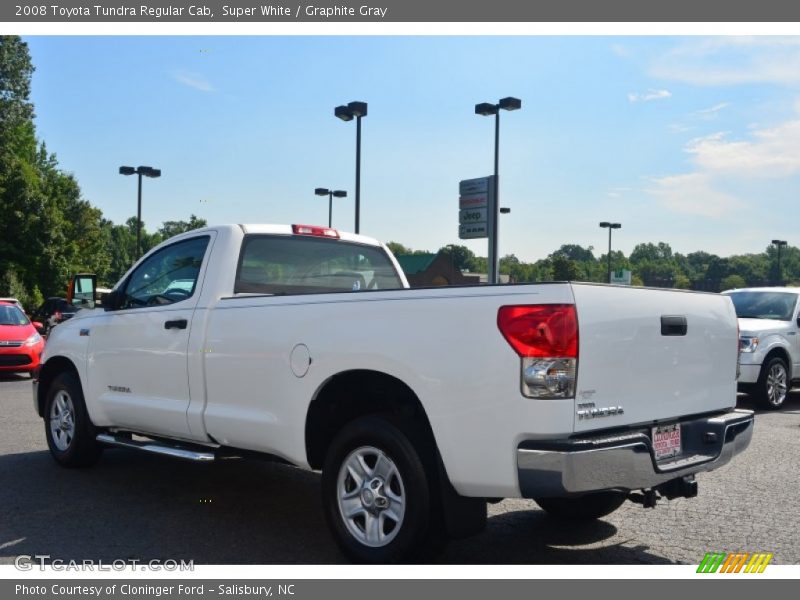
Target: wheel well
[52,369]
[782,353]
[354,394]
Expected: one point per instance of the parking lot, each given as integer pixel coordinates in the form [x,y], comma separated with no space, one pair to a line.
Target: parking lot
[135,506]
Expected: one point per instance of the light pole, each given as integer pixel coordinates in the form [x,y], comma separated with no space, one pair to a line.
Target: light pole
[780,244]
[485,109]
[347,113]
[610,226]
[330,194]
[147,172]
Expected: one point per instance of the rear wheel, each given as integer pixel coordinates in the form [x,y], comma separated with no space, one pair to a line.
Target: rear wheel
[69,431]
[583,508]
[377,494]
[773,383]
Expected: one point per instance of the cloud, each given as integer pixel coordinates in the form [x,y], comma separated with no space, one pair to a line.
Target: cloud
[722,61]
[711,111]
[193,80]
[692,194]
[773,152]
[649,96]
[621,50]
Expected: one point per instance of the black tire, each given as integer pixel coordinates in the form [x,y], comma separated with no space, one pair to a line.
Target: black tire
[80,449]
[416,535]
[773,383]
[583,508]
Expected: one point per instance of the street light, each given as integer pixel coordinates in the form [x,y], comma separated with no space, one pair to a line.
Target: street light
[330,194]
[610,226]
[780,244]
[147,172]
[347,113]
[486,109]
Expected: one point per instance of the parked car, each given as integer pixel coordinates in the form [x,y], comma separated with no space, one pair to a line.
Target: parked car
[13,301]
[769,331]
[54,311]
[303,344]
[21,345]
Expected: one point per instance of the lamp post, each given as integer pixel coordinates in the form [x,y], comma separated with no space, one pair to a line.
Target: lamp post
[485,109]
[147,172]
[347,113]
[609,226]
[780,244]
[330,194]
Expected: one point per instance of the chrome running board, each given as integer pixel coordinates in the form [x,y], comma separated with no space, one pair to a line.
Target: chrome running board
[156,448]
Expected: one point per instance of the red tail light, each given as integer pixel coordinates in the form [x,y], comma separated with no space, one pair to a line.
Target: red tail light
[315,230]
[540,330]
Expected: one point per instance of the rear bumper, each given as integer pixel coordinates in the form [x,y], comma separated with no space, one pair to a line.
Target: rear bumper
[626,461]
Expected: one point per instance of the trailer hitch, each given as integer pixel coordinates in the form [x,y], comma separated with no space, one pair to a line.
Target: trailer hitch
[682,487]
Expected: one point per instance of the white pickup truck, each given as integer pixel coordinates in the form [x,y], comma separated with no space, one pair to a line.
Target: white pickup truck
[303,344]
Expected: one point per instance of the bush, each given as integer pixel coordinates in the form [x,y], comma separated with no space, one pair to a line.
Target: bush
[733,281]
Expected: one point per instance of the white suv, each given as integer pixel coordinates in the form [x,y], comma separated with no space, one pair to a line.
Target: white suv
[769,341]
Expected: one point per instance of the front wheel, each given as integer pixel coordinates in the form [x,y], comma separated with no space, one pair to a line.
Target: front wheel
[583,508]
[69,431]
[376,493]
[773,383]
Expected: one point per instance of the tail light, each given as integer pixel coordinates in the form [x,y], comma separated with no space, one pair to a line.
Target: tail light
[315,230]
[545,336]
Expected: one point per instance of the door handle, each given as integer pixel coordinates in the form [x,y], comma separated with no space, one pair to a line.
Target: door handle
[176,324]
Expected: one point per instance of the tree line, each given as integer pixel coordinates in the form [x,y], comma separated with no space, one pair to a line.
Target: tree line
[654,265]
[47,230]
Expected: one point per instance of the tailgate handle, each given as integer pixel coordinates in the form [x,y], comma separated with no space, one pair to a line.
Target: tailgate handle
[673,325]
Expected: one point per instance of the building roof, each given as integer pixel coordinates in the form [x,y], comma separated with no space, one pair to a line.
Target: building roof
[415,263]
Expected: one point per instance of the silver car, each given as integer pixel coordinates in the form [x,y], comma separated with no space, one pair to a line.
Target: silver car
[768,341]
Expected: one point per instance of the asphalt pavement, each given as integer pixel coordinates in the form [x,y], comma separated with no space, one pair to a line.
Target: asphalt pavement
[137,506]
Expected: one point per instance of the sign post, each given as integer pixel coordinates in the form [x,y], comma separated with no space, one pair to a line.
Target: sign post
[476,213]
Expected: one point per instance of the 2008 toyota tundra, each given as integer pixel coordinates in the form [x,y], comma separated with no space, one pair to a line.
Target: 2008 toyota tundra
[302,343]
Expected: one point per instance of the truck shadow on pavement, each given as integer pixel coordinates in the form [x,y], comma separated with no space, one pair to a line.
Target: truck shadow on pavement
[132,506]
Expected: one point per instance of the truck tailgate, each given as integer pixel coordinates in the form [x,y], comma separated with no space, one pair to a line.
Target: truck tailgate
[654,354]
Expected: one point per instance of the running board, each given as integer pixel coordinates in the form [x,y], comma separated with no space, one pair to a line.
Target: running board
[157,448]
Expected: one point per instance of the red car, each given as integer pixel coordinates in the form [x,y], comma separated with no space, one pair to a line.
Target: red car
[21,345]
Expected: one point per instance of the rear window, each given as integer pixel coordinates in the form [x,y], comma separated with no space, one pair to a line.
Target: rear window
[306,265]
[764,305]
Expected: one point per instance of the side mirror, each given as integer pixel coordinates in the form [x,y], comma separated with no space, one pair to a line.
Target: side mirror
[110,301]
[81,290]
[37,326]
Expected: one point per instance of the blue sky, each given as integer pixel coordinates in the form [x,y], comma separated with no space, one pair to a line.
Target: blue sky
[693,141]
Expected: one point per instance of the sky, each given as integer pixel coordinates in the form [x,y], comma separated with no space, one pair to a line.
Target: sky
[693,141]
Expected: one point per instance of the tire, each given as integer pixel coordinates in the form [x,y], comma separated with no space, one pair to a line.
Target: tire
[773,383]
[583,508]
[69,431]
[375,474]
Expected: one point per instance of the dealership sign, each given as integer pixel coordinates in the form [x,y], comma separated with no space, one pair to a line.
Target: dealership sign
[475,207]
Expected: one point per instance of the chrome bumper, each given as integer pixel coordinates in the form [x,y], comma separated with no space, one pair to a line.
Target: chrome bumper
[625,461]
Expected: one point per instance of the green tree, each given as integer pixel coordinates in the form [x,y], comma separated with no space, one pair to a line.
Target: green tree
[733,281]
[170,229]
[565,269]
[463,258]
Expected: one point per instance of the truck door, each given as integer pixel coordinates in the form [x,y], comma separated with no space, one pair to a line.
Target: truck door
[138,350]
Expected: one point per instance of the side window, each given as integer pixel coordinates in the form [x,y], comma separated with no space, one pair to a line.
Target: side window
[168,276]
